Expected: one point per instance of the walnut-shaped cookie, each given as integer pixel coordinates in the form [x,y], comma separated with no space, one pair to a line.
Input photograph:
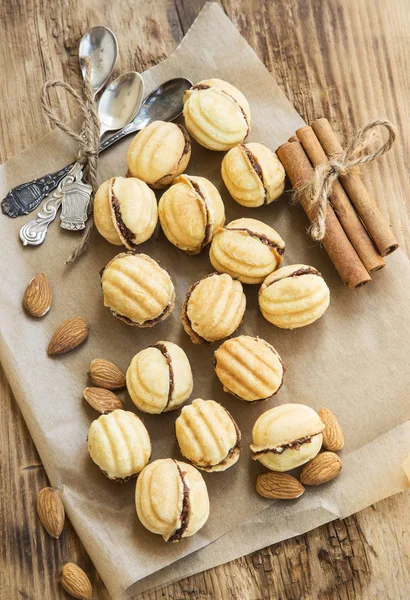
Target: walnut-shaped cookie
[247,249]
[190,212]
[213,308]
[171,499]
[216,114]
[249,368]
[287,436]
[137,289]
[159,378]
[125,211]
[208,436]
[119,444]
[158,153]
[253,174]
[294,296]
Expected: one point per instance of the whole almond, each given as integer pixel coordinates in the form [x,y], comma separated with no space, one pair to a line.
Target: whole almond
[333,438]
[278,485]
[105,374]
[68,336]
[50,510]
[38,296]
[102,400]
[323,468]
[75,582]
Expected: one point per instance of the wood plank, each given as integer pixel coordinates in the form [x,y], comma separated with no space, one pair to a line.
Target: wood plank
[342,59]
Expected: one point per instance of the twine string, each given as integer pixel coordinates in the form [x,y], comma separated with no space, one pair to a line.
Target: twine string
[88,140]
[357,153]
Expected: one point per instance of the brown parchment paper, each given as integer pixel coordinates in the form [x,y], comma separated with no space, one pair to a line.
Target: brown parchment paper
[354,360]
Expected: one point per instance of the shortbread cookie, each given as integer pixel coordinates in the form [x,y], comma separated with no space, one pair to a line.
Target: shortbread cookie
[208,436]
[190,212]
[216,114]
[159,378]
[158,153]
[249,368]
[287,436]
[294,296]
[119,444]
[171,499]
[137,290]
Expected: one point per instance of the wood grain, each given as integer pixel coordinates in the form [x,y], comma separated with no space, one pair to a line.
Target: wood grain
[343,59]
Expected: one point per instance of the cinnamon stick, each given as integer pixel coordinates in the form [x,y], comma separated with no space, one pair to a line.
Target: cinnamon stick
[377,226]
[342,206]
[337,245]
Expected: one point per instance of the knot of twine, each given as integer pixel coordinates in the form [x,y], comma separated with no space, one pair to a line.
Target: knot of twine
[357,153]
[88,139]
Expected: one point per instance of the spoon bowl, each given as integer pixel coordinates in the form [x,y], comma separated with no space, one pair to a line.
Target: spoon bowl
[121,101]
[100,46]
[165,103]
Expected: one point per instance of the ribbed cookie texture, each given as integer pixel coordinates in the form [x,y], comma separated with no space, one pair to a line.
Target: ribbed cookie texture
[171,499]
[158,153]
[294,296]
[213,309]
[249,368]
[217,114]
[190,212]
[287,436]
[159,378]
[247,249]
[253,174]
[137,289]
[119,444]
[125,211]
[208,435]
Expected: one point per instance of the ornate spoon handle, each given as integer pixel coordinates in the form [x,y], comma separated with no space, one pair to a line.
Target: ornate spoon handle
[34,232]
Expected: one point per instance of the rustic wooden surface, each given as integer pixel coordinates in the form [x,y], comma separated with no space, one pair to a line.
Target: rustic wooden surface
[344,59]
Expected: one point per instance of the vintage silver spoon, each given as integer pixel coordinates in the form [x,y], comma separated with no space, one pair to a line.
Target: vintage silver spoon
[124,100]
[99,45]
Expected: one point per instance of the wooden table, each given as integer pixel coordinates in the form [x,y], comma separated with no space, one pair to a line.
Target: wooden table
[344,59]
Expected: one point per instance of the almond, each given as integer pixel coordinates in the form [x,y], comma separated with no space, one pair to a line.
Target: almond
[50,510]
[333,438]
[38,296]
[278,485]
[324,467]
[75,582]
[102,400]
[68,336]
[105,374]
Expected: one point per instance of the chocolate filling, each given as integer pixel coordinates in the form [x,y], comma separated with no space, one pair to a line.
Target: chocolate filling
[184,314]
[150,322]
[201,86]
[178,534]
[298,273]
[187,146]
[125,233]
[208,224]
[263,238]
[163,349]
[215,361]
[292,445]
[256,166]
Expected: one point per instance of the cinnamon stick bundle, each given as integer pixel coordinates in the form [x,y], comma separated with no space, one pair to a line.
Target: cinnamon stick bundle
[335,241]
[370,214]
[342,206]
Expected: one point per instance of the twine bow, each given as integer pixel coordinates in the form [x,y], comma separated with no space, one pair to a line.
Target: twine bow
[356,153]
[88,139]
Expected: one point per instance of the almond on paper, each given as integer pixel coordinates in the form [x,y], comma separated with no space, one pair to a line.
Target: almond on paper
[278,485]
[102,400]
[68,336]
[50,510]
[323,468]
[38,296]
[75,582]
[105,374]
[333,438]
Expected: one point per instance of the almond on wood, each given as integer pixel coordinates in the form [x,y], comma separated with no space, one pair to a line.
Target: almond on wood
[51,511]
[75,582]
